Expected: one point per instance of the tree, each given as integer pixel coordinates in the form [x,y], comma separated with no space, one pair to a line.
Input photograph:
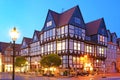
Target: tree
[20,61]
[51,60]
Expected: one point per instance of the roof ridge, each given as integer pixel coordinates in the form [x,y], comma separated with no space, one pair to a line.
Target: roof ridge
[95,20]
[69,9]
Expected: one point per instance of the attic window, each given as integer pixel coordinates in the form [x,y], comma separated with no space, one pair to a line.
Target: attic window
[49,23]
[77,20]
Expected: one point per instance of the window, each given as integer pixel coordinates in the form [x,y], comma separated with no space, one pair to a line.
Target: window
[101,50]
[62,30]
[89,48]
[75,45]
[44,35]
[48,47]
[102,38]
[71,44]
[49,23]
[48,34]
[76,31]
[59,45]
[58,31]
[66,29]
[53,32]
[77,20]
[71,29]
[63,45]
[51,46]
[79,46]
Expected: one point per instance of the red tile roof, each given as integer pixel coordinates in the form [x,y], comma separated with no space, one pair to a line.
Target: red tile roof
[92,27]
[27,40]
[4,46]
[64,17]
[55,16]
[18,46]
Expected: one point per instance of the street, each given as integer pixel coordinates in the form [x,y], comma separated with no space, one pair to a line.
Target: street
[8,76]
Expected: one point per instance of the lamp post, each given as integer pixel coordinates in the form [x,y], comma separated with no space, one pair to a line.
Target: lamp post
[14,36]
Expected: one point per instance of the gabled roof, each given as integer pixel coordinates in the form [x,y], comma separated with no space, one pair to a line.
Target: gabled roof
[4,46]
[27,40]
[55,16]
[92,27]
[114,34]
[37,33]
[65,16]
[17,47]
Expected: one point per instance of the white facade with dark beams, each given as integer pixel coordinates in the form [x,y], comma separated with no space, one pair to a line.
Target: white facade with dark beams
[80,45]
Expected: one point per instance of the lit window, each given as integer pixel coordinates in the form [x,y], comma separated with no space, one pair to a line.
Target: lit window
[49,23]
[59,46]
[48,47]
[90,48]
[51,46]
[102,38]
[63,45]
[75,46]
[78,46]
[62,30]
[87,49]
[101,50]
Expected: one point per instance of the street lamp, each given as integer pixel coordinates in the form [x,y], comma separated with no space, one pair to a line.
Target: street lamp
[14,35]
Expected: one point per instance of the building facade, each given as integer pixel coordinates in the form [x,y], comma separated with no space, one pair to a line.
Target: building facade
[111,52]
[6,58]
[118,54]
[80,45]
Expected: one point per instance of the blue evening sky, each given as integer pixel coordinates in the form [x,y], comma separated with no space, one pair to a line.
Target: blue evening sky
[30,15]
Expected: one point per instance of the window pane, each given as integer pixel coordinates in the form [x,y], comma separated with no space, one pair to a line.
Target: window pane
[53,32]
[75,45]
[79,46]
[66,29]
[49,23]
[71,44]
[63,45]
[59,45]
[44,35]
[48,33]
[62,30]
[77,20]
[58,31]
[71,27]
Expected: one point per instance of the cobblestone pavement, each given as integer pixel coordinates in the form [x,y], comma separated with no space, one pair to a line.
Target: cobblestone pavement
[8,76]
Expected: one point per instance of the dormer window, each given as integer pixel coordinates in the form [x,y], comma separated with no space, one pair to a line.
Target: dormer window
[49,23]
[77,20]
[102,38]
